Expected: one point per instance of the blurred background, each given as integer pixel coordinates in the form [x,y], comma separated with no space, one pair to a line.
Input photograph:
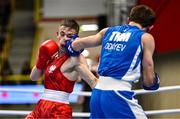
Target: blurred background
[25,24]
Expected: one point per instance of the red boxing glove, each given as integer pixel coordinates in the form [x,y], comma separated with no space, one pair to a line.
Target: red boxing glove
[46,51]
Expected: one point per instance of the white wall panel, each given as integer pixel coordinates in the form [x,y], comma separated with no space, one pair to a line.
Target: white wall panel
[71,8]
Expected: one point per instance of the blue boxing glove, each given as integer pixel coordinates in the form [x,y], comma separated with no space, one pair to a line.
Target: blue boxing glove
[155,85]
[68,46]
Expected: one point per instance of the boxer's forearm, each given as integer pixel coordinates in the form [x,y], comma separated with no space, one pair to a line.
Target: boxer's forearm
[35,74]
[86,75]
[90,41]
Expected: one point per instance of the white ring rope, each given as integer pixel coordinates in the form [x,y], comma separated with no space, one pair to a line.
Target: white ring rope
[81,114]
[24,113]
[161,89]
[82,93]
[86,114]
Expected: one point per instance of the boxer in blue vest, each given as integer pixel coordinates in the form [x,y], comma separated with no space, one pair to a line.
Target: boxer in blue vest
[126,56]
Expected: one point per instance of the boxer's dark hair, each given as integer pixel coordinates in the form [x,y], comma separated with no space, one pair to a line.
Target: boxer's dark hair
[143,15]
[71,23]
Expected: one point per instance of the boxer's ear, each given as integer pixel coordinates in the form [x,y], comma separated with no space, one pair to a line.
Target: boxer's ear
[128,20]
[147,29]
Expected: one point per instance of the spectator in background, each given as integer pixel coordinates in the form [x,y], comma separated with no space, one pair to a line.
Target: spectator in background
[5,12]
[6,68]
[6,71]
[2,38]
[26,70]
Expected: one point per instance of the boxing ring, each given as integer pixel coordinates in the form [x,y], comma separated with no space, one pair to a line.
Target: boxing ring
[86,114]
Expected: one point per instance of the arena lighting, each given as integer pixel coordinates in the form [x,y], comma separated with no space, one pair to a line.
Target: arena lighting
[89,27]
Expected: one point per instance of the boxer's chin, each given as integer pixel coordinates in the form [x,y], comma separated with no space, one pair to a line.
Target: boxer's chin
[62,44]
